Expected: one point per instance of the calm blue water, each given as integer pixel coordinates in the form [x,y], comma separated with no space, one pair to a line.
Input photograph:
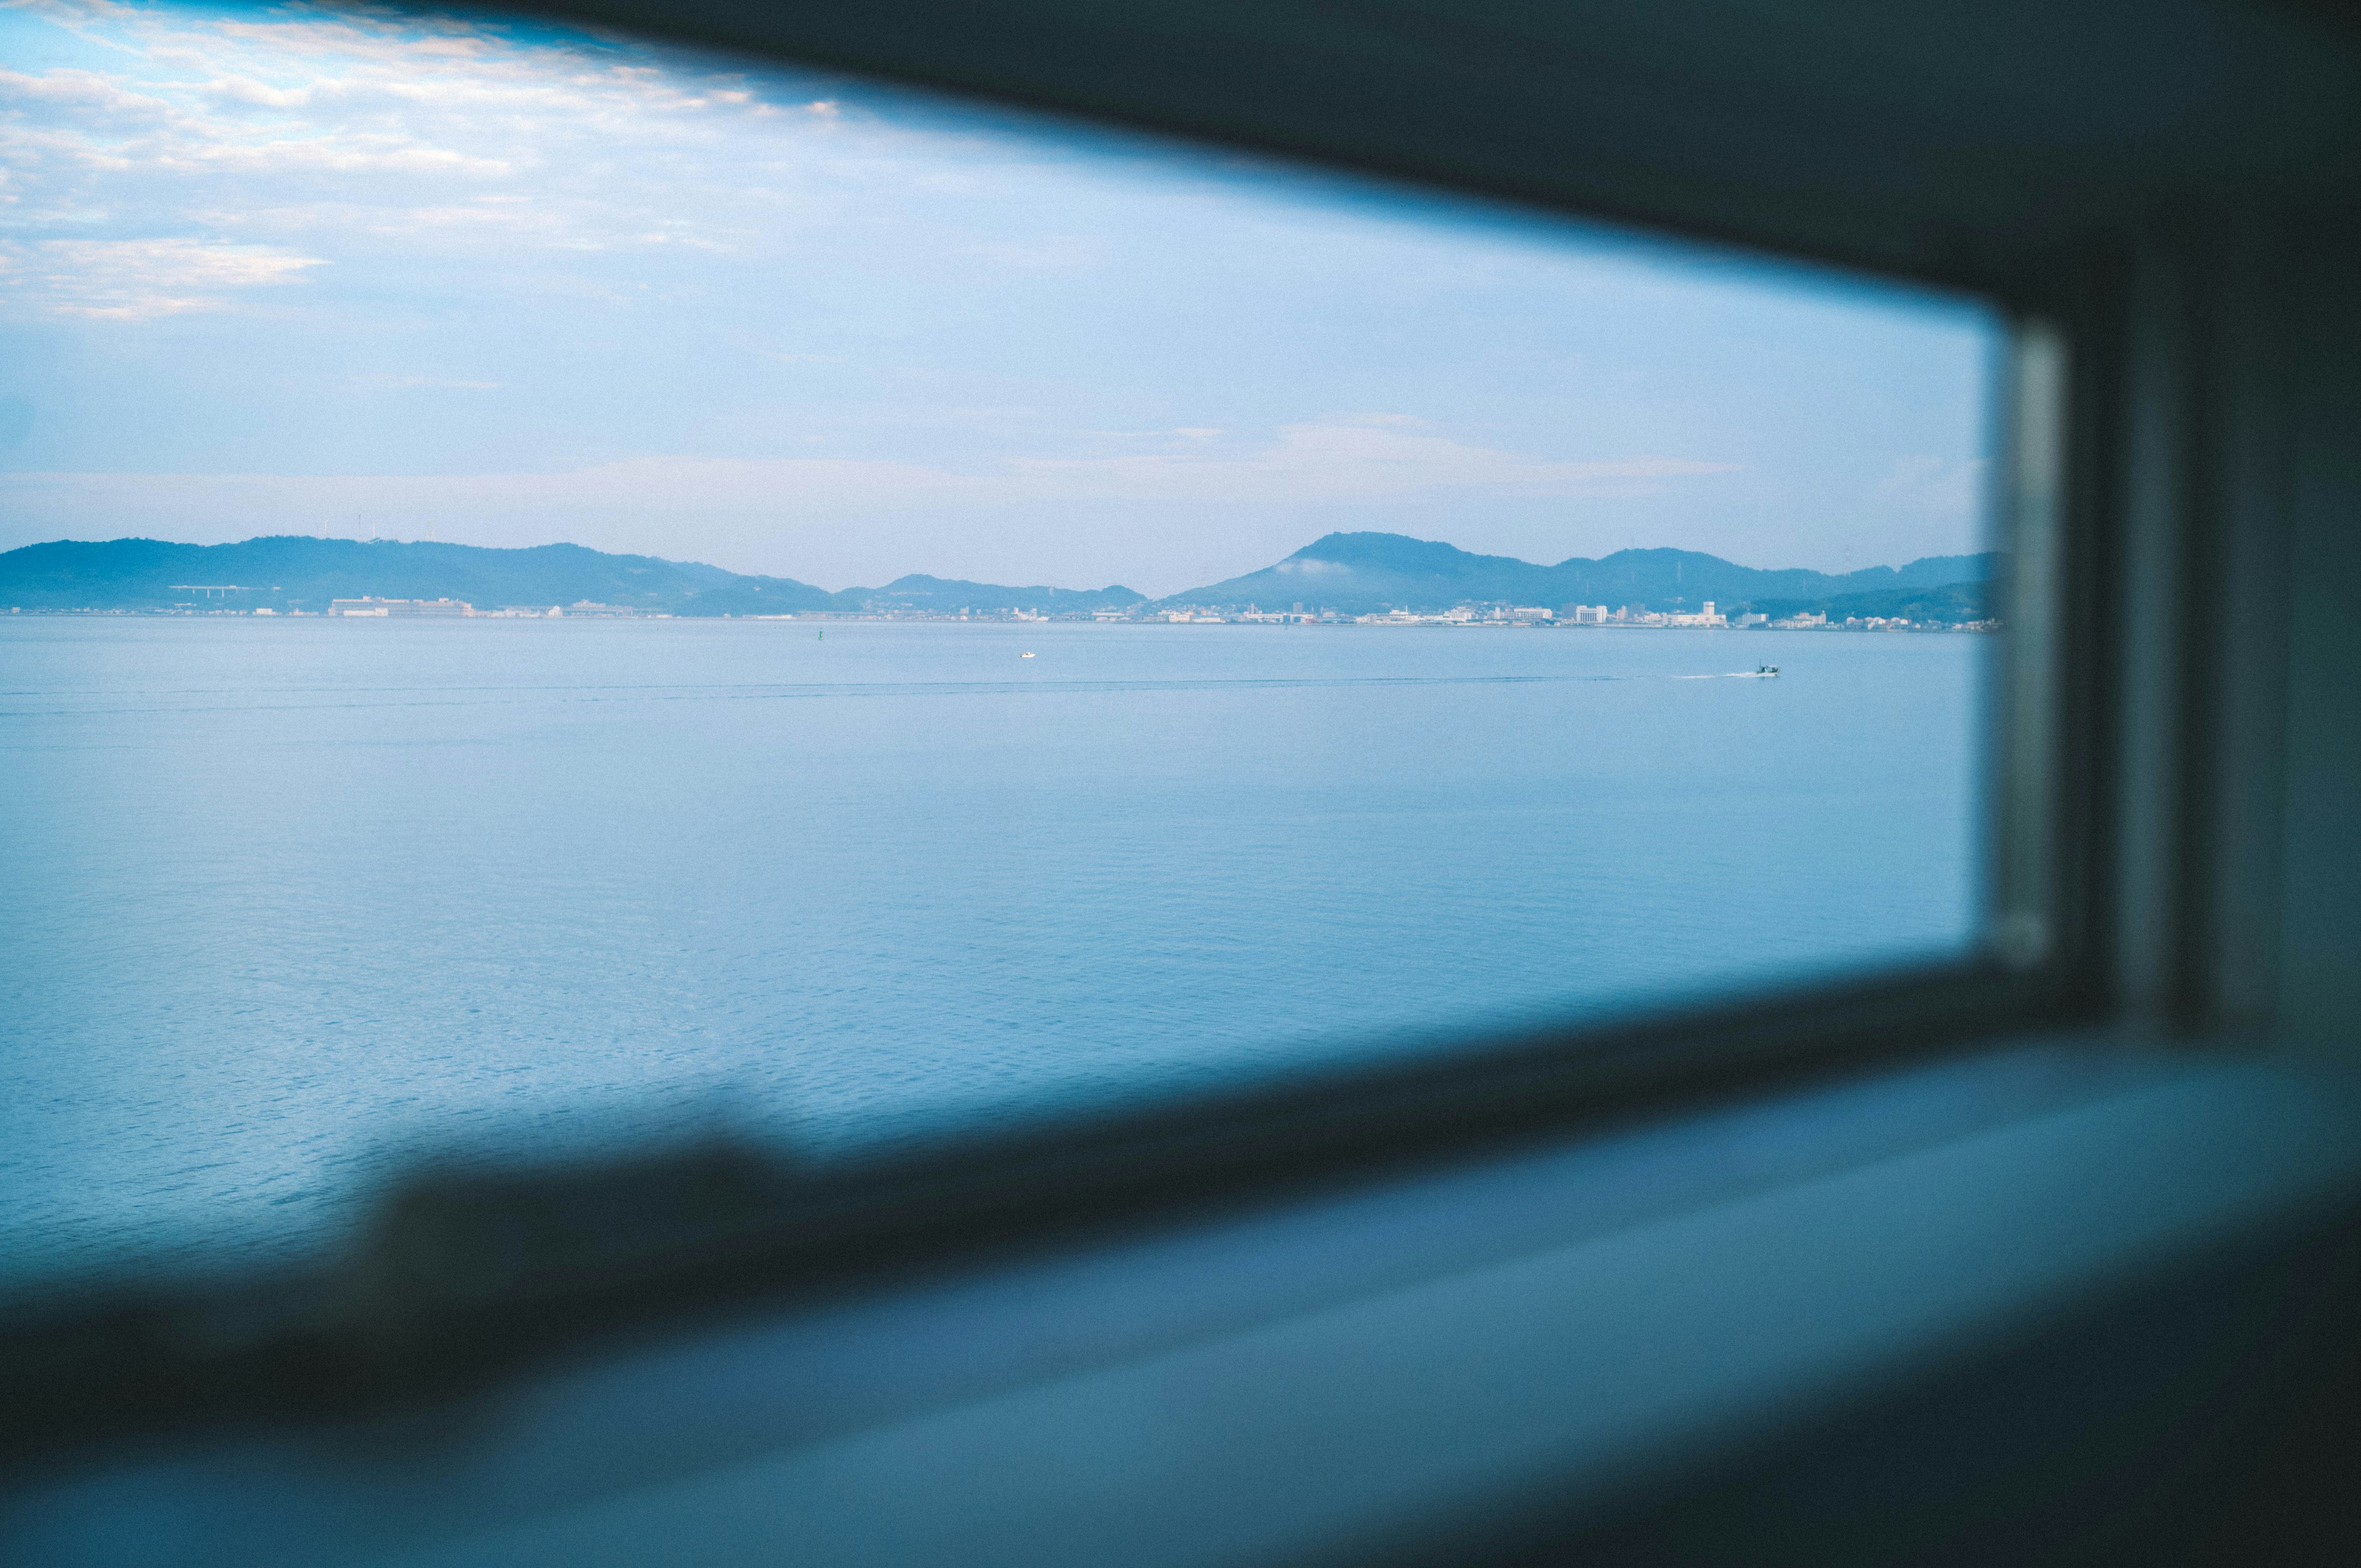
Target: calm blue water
[284,898]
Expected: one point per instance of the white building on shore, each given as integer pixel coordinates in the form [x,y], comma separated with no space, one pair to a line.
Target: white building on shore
[367,605]
[1706,617]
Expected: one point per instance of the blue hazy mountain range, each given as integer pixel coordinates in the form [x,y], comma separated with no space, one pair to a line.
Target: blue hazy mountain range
[293,573]
[1355,573]
[1366,572]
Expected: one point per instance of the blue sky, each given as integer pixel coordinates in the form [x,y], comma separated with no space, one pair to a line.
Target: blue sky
[298,270]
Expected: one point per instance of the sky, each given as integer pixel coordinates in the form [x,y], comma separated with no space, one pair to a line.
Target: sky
[306,270]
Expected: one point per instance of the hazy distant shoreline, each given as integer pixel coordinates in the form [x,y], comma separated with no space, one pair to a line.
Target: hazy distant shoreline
[1364,579]
[825,619]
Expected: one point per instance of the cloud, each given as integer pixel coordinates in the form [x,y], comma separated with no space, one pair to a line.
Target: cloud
[89,97]
[404,383]
[1156,521]
[138,279]
[349,126]
[1934,489]
[1343,457]
[344,127]
[1040,253]
[1321,462]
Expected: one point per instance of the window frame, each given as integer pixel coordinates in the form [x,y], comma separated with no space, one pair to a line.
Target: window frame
[463,1278]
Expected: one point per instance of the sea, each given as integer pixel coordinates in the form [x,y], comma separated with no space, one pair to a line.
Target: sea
[292,903]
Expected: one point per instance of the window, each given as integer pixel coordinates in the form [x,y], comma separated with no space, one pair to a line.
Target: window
[2063,1287]
[565,593]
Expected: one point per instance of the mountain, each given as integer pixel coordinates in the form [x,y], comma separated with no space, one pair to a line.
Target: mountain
[1356,573]
[290,573]
[1359,573]
[1952,602]
[754,595]
[941,596]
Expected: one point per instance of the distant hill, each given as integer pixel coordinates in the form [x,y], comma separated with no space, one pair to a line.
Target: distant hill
[1360,572]
[289,571]
[1356,573]
[754,595]
[941,596]
[1950,602]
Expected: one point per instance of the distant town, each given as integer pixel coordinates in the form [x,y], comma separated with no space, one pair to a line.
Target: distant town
[1706,619]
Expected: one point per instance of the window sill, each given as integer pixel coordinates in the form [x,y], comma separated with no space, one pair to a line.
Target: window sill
[1407,1361]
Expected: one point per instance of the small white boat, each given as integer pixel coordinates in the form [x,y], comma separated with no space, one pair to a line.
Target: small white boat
[1023,655]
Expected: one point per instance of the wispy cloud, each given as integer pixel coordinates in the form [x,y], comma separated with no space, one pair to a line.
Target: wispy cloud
[1327,462]
[336,131]
[1346,456]
[138,279]
[1937,489]
[401,383]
